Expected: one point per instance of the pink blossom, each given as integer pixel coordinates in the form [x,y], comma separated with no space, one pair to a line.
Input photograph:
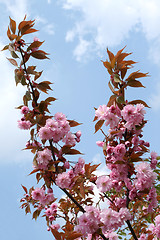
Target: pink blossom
[124,214]
[55,226]
[64,179]
[103,183]
[102,112]
[112,120]
[66,165]
[79,167]
[43,158]
[153,160]
[120,150]
[110,219]
[89,221]
[52,124]
[23,124]
[152,198]
[24,110]
[145,176]
[128,112]
[100,143]
[156,229]
[78,134]
[38,194]
[142,237]
[69,139]
[60,117]
[111,235]
[45,133]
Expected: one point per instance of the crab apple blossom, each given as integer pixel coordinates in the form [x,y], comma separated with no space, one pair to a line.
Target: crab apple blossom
[23,124]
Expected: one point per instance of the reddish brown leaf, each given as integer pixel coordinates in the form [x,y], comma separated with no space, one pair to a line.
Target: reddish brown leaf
[73,235]
[119,52]
[110,54]
[44,86]
[73,152]
[35,44]
[134,102]
[82,189]
[25,189]
[36,214]
[31,30]
[50,99]
[112,89]
[37,75]
[39,54]
[108,66]
[135,75]
[98,125]
[122,56]
[5,47]
[13,61]
[111,100]
[95,118]
[56,234]
[24,23]
[135,83]
[9,34]
[12,25]
[73,123]
[34,171]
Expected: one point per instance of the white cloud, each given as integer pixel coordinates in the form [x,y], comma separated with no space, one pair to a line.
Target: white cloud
[49,28]
[16,8]
[81,49]
[12,138]
[46,27]
[108,22]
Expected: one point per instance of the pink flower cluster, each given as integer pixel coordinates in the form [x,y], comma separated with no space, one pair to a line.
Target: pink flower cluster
[133,115]
[104,183]
[51,212]
[152,198]
[89,222]
[113,220]
[145,176]
[44,199]
[58,129]
[23,123]
[109,114]
[156,228]
[108,220]
[43,158]
[66,179]
[115,154]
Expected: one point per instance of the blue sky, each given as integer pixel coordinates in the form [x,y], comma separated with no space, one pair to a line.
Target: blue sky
[76,34]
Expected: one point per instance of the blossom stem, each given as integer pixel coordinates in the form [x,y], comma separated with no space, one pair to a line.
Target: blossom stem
[31,86]
[53,155]
[73,200]
[131,229]
[80,207]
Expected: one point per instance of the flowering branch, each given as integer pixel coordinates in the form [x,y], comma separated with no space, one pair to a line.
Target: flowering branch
[132,187]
